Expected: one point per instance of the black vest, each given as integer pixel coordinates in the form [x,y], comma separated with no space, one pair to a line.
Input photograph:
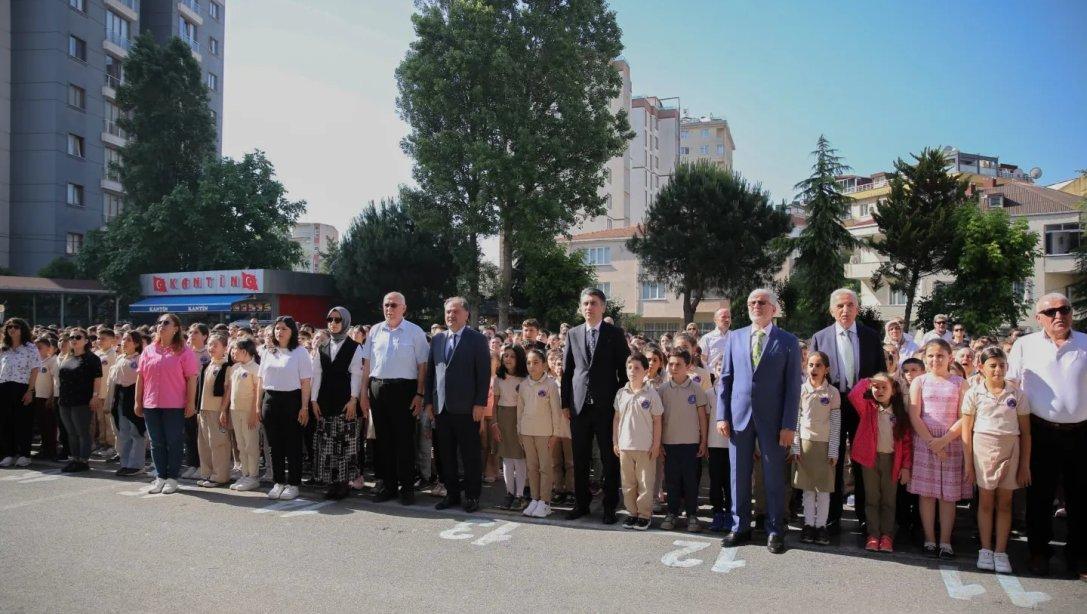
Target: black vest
[335,377]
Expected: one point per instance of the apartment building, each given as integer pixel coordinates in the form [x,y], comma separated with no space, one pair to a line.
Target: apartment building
[706,138]
[616,188]
[314,239]
[60,135]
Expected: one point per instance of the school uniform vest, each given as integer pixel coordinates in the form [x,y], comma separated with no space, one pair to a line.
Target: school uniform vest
[815,422]
[335,377]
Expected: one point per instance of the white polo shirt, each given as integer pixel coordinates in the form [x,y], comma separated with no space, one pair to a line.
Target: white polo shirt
[1054,379]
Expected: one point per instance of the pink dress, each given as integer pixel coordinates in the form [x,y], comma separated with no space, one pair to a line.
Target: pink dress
[931,477]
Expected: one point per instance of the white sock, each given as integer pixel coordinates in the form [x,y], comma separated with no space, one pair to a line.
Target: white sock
[509,476]
[809,508]
[521,467]
[822,508]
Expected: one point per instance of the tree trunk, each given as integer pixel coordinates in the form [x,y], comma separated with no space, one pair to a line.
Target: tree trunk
[690,304]
[474,298]
[505,271]
[911,292]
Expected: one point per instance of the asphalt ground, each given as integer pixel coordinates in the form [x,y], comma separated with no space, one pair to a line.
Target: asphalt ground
[97,543]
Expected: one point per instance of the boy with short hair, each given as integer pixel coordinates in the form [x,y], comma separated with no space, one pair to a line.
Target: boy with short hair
[106,433]
[637,430]
[685,433]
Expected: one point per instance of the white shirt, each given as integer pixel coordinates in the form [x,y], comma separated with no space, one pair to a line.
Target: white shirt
[354,368]
[396,353]
[1054,379]
[754,337]
[713,346]
[17,363]
[847,379]
[932,334]
[906,350]
[283,370]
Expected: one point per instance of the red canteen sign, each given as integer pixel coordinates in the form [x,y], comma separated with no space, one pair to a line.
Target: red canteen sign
[203,282]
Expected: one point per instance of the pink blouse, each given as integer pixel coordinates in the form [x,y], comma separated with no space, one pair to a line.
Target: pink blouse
[163,373]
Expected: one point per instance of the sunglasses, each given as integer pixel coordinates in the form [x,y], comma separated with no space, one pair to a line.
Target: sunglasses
[1053,311]
[331,319]
[391,305]
[959,330]
[163,323]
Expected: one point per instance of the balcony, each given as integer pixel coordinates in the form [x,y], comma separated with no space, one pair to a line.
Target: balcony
[129,9]
[113,135]
[194,45]
[864,187]
[116,45]
[109,88]
[112,183]
[1060,263]
[860,270]
[190,10]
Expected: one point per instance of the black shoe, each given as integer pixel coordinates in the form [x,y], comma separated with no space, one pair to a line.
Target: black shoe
[446,503]
[775,543]
[930,551]
[733,538]
[834,527]
[384,495]
[337,491]
[576,513]
[71,467]
[81,466]
[807,534]
[822,536]
[507,503]
[642,524]
[760,523]
[946,554]
[127,471]
[630,522]
[471,505]
[1038,565]
[609,517]
[407,497]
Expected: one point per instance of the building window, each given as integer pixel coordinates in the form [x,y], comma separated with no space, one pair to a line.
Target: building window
[187,32]
[117,29]
[111,205]
[995,201]
[75,195]
[74,244]
[213,45]
[114,72]
[898,297]
[215,10]
[1061,239]
[213,82]
[705,133]
[77,97]
[113,164]
[76,146]
[704,150]
[79,5]
[683,134]
[684,151]
[596,256]
[652,292]
[865,210]
[77,48]
[720,150]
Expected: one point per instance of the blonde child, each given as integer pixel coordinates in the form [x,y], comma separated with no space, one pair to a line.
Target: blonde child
[562,467]
[245,412]
[637,430]
[684,435]
[213,442]
[938,467]
[883,447]
[511,372]
[996,438]
[815,447]
[540,424]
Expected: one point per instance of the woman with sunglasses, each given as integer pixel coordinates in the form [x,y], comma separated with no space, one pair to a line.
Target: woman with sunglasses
[165,398]
[80,376]
[286,371]
[19,366]
[337,382]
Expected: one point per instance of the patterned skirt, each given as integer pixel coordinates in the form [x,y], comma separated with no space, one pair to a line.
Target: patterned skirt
[336,448]
[942,479]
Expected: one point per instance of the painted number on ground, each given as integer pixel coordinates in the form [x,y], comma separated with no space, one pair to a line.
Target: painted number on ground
[1019,596]
[467,530]
[683,557]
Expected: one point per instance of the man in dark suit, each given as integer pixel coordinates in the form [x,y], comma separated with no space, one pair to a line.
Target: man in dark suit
[458,378]
[594,370]
[855,352]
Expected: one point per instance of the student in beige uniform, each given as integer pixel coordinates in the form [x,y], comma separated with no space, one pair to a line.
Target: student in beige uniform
[45,417]
[637,425]
[996,441]
[213,442]
[815,447]
[245,411]
[105,429]
[540,424]
[685,438]
[562,466]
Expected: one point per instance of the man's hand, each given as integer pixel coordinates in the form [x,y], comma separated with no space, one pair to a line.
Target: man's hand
[785,438]
[477,413]
[416,405]
[430,411]
[724,429]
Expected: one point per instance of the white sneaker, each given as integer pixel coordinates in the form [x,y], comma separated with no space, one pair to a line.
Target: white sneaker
[543,510]
[985,559]
[235,485]
[246,484]
[170,487]
[1002,563]
[22,462]
[157,486]
[530,509]
[290,492]
[190,473]
[276,491]
[8,461]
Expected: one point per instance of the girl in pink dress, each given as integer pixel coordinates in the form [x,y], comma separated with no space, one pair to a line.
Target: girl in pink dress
[938,463]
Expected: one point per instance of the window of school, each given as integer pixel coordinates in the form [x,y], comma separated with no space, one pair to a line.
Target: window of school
[653,292]
[596,256]
[215,10]
[898,297]
[77,97]
[111,205]
[77,48]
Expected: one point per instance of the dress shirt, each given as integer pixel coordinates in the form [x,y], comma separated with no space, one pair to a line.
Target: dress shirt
[589,337]
[283,370]
[713,346]
[1054,379]
[452,339]
[847,379]
[396,353]
[354,368]
[765,339]
[932,334]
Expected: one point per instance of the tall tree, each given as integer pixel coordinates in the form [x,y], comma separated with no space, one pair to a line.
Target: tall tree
[919,223]
[1079,286]
[996,255]
[548,281]
[824,244]
[384,250]
[710,231]
[509,108]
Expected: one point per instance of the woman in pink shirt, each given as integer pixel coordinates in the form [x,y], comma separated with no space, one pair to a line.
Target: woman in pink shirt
[165,396]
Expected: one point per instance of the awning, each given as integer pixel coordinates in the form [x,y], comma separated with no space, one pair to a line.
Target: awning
[189,303]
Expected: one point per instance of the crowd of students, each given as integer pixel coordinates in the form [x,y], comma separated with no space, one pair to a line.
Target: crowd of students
[941,422]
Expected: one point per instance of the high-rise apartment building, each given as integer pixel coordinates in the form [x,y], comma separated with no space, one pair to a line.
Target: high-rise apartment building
[58,112]
[706,138]
[314,239]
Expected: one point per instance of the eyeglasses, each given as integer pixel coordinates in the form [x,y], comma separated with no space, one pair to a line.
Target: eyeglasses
[331,319]
[1053,311]
[758,302]
[940,322]
[958,330]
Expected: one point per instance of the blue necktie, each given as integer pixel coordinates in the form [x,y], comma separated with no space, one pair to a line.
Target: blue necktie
[450,348]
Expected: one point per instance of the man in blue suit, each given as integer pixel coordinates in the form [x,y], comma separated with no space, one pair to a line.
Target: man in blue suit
[760,396]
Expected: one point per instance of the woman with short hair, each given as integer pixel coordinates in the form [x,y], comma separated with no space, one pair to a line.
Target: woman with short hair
[19,364]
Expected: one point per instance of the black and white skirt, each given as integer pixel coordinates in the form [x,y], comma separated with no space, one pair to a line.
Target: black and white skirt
[336,445]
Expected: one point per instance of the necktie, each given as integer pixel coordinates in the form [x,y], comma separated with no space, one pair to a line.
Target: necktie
[449,349]
[846,352]
[591,346]
[756,352]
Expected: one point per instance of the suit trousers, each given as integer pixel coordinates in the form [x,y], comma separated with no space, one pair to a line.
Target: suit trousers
[594,421]
[1056,458]
[458,439]
[394,426]
[741,457]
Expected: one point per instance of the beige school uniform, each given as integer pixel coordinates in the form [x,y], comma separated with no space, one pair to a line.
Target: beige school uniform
[996,433]
[636,412]
[213,441]
[105,429]
[43,384]
[539,418]
[681,403]
[243,399]
[815,431]
[505,398]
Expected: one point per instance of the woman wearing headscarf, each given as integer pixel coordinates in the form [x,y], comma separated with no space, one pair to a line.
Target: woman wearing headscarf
[337,382]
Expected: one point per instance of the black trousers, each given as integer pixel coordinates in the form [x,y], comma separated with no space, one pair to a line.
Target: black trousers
[681,465]
[192,454]
[594,421]
[279,413]
[720,480]
[45,420]
[850,420]
[458,438]
[1057,457]
[16,420]
[394,427]
[62,439]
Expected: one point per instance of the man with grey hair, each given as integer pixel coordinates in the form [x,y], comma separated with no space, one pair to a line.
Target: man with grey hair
[939,329]
[1051,368]
[855,353]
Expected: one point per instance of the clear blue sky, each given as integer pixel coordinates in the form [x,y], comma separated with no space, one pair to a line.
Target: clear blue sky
[311,82]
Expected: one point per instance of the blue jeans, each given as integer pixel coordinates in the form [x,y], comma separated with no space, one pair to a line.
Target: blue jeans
[167,430]
[131,445]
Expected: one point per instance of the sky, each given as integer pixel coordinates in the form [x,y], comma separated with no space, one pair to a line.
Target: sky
[311,83]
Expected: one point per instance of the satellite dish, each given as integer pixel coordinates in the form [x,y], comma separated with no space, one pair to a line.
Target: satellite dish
[1035,173]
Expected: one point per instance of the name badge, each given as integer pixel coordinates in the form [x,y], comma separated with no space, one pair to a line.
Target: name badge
[45,369]
[244,375]
[697,379]
[134,364]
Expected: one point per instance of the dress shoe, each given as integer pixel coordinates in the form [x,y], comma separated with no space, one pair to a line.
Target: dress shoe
[734,538]
[446,503]
[471,505]
[384,495]
[576,513]
[775,543]
[407,497]
[609,517]
[1038,565]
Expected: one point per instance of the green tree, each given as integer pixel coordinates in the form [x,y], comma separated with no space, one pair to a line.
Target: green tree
[61,267]
[1079,286]
[824,244]
[996,254]
[508,104]
[329,255]
[919,224]
[709,231]
[548,281]
[385,250]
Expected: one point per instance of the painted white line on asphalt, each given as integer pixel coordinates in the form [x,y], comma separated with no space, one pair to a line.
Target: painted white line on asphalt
[675,558]
[955,588]
[33,476]
[501,534]
[1018,595]
[463,530]
[726,561]
[74,493]
[310,509]
[280,506]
